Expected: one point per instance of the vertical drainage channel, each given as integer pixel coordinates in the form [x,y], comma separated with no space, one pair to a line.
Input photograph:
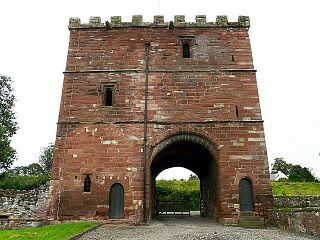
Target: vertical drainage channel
[145,121]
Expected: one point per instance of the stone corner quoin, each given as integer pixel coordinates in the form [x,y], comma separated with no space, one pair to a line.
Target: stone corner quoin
[203,114]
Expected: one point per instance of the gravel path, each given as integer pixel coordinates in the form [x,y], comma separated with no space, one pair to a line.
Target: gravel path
[188,229]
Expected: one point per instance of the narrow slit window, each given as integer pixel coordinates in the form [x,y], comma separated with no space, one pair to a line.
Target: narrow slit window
[186,50]
[232,58]
[237,112]
[87,184]
[108,96]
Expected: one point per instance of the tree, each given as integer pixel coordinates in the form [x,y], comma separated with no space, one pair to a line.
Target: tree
[301,174]
[193,177]
[30,170]
[8,125]
[46,157]
[281,165]
[295,173]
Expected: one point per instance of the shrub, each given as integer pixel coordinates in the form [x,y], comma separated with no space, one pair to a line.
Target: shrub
[14,181]
[175,190]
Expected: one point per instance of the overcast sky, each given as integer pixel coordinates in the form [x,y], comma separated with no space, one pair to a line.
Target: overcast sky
[285,37]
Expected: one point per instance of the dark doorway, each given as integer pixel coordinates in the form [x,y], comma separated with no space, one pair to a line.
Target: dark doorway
[246,195]
[116,201]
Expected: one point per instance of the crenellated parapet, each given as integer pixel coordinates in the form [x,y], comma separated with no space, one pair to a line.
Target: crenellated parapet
[158,21]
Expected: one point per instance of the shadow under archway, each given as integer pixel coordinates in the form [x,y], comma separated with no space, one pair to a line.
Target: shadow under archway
[195,153]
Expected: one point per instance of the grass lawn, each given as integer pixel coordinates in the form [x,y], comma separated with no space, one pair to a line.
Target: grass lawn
[56,231]
[295,188]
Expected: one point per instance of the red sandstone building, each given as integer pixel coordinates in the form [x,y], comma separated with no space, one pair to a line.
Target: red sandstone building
[203,114]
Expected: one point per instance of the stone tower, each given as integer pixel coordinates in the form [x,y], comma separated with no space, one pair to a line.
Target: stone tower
[203,114]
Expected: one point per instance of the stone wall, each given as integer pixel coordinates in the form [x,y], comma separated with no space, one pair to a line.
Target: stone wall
[296,201]
[297,213]
[23,208]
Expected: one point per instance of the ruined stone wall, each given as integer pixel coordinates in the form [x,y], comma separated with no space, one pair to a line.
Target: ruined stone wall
[23,208]
[297,213]
[213,94]
[296,201]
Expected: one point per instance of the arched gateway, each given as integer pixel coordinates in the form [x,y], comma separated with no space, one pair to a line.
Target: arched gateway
[195,153]
[139,97]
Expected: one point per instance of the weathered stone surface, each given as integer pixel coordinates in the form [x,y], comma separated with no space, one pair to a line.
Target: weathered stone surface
[158,21]
[222,20]
[179,18]
[137,19]
[296,201]
[203,112]
[23,208]
[95,21]
[201,18]
[298,220]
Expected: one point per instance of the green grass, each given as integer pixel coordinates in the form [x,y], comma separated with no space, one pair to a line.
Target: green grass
[50,232]
[295,188]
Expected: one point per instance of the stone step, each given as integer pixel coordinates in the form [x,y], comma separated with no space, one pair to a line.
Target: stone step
[251,222]
[250,218]
[246,213]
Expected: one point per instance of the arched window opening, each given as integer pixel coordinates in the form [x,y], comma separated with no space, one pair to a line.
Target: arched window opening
[87,184]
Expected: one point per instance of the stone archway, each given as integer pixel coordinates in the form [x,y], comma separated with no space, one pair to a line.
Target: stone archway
[193,152]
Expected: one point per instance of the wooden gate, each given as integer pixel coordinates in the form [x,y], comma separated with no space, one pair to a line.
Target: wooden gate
[173,207]
[116,201]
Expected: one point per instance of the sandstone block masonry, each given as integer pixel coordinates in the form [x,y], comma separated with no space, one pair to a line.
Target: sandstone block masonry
[203,114]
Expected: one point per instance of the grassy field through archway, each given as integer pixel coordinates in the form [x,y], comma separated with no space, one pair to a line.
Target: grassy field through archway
[179,190]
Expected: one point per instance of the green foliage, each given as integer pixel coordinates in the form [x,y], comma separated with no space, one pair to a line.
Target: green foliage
[175,190]
[193,177]
[295,173]
[300,174]
[7,153]
[14,181]
[51,232]
[31,176]
[8,125]
[295,188]
[46,157]
[32,169]
[281,165]
[7,99]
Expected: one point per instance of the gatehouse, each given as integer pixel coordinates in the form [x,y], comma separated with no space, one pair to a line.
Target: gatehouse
[141,97]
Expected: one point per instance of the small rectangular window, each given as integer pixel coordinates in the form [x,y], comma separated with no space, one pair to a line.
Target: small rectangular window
[87,184]
[108,96]
[186,50]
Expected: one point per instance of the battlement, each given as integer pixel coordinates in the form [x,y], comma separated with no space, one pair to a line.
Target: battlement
[158,21]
